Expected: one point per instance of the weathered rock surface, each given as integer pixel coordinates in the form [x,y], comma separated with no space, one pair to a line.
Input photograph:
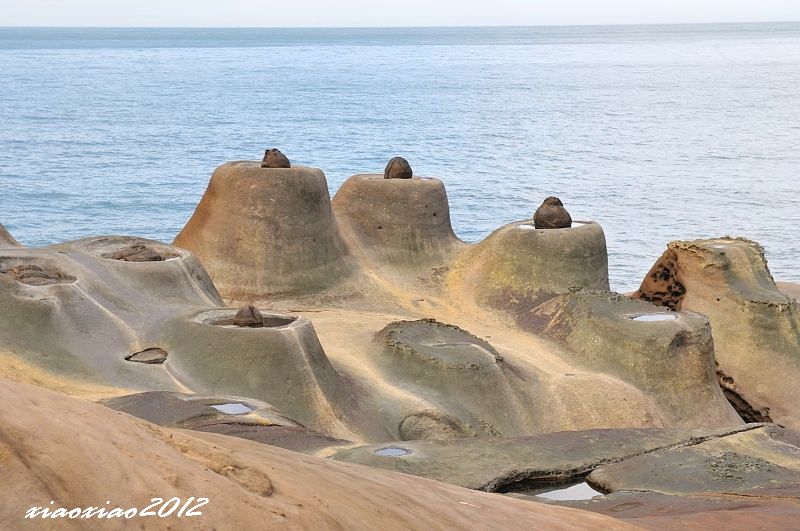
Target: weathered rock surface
[518,266]
[509,464]
[249,485]
[403,223]
[6,239]
[669,356]
[248,317]
[398,168]
[551,214]
[266,231]
[756,327]
[273,158]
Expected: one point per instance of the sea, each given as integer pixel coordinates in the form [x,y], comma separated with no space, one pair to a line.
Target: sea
[658,133]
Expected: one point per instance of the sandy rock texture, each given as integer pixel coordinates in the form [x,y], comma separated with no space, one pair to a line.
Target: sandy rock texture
[250,485]
[756,326]
[6,239]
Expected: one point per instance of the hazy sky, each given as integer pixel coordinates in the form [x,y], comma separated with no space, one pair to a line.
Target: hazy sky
[386,13]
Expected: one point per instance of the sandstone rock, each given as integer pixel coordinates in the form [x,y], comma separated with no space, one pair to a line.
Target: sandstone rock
[273,158]
[249,317]
[249,485]
[516,267]
[552,215]
[756,326]
[400,222]
[150,356]
[267,232]
[398,168]
[137,253]
[6,239]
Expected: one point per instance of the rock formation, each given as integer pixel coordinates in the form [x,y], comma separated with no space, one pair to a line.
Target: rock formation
[248,317]
[661,352]
[266,231]
[756,327]
[499,365]
[398,168]
[518,266]
[92,454]
[6,240]
[552,215]
[400,222]
[273,158]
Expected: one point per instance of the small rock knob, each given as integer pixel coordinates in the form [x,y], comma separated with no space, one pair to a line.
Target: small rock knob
[137,253]
[398,168]
[552,215]
[249,317]
[273,158]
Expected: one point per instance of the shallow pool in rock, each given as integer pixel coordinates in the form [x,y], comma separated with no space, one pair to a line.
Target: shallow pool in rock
[581,491]
[654,317]
[233,409]
[392,452]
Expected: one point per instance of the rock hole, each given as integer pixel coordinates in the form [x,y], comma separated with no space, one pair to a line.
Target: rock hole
[150,356]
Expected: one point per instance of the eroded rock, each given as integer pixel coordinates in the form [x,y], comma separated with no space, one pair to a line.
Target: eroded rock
[137,253]
[552,215]
[273,158]
[398,168]
[150,356]
[249,317]
[34,275]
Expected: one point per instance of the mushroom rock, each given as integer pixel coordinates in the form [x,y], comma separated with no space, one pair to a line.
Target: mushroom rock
[6,240]
[249,317]
[273,158]
[267,231]
[667,355]
[398,168]
[405,222]
[517,266]
[756,326]
[282,363]
[552,215]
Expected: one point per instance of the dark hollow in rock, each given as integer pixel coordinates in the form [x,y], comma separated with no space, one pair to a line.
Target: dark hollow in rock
[398,168]
[661,285]
[137,253]
[150,356]
[745,410]
[552,215]
[249,317]
[34,275]
[273,158]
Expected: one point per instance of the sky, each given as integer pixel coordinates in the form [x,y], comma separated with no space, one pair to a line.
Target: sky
[348,13]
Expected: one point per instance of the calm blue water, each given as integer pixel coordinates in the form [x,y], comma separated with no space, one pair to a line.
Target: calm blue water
[657,132]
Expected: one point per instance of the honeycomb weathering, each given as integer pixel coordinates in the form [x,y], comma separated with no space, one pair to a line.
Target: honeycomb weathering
[662,286]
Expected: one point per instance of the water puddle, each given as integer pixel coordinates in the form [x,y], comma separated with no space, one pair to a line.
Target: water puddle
[581,491]
[233,409]
[392,452]
[654,317]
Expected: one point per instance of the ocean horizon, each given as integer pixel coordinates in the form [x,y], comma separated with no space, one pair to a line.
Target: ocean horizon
[657,132]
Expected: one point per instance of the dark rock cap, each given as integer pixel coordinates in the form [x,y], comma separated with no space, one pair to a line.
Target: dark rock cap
[273,158]
[398,168]
[249,317]
[552,215]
